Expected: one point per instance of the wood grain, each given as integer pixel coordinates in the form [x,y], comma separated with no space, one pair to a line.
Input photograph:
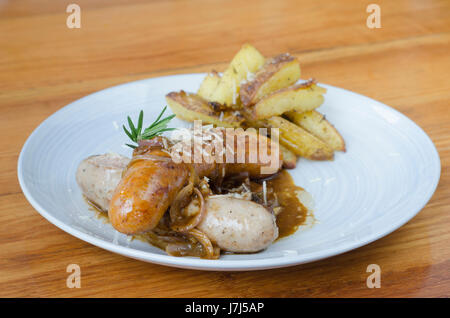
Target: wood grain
[44,65]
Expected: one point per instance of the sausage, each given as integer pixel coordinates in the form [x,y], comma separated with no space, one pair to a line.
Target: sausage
[251,145]
[149,186]
[98,176]
[144,193]
[238,225]
[234,224]
[237,147]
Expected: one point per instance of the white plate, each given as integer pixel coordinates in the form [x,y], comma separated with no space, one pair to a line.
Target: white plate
[388,174]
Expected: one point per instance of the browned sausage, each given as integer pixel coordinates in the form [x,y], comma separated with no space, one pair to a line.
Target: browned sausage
[145,192]
[249,144]
[153,179]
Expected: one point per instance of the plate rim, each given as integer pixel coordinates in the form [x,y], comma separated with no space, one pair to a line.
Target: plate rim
[222,265]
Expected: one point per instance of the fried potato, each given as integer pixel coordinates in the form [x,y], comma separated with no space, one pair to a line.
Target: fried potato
[316,124]
[289,158]
[278,72]
[192,107]
[208,85]
[298,140]
[301,97]
[248,60]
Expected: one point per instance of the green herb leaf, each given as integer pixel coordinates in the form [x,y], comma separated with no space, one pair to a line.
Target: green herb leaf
[140,121]
[158,127]
[127,132]
[132,128]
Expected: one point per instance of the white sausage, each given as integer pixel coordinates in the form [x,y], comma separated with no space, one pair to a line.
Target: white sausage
[234,224]
[99,175]
[238,225]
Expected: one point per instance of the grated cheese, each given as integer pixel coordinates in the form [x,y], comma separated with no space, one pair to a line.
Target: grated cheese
[265,192]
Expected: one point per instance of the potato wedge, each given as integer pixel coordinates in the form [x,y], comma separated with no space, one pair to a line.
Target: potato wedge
[316,124]
[192,107]
[247,60]
[208,85]
[278,72]
[302,97]
[296,139]
[289,158]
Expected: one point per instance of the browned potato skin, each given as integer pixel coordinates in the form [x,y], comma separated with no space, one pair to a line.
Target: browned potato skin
[248,59]
[289,158]
[252,91]
[300,141]
[296,139]
[316,124]
[190,107]
[288,99]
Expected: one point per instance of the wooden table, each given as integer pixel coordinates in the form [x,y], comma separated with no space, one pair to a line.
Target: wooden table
[44,65]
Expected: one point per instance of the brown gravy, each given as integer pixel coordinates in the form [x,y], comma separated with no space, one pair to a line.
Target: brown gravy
[99,213]
[281,187]
[293,213]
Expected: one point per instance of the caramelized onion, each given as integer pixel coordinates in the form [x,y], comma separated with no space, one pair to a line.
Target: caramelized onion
[191,243]
[201,237]
[182,199]
[175,213]
[184,249]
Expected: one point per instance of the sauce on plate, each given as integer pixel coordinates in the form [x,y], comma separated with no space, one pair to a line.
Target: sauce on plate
[292,213]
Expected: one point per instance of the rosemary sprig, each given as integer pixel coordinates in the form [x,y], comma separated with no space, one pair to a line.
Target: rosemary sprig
[155,129]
